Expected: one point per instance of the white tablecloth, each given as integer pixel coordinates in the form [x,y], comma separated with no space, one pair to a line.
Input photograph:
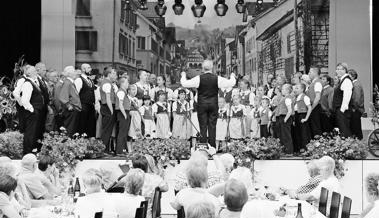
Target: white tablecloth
[46,212]
[266,208]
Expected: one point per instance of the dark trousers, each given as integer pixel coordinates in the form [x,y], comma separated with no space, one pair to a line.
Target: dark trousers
[264,131]
[71,121]
[87,120]
[301,131]
[21,117]
[32,130]
[275,128]
[207,116]
[285,133]
[315,121]
[355,124]
[42,121]
[107,123]
[343,122]
[122,133]
[327,122]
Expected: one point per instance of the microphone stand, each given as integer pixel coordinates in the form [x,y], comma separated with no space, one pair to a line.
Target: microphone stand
[198,134]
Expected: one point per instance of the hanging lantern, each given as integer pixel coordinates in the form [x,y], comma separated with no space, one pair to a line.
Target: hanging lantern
[198,9]
[143,5]
[160,8]
[221,8]
[240,6]
[276,2]
[259,5]
[178,7]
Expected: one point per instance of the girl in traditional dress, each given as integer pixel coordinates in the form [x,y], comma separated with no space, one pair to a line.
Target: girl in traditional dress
[194,119]
[254,113]
[222,123]
[274,106]
[146,112]
[135,117]
[188,94]
[161,111]
[237,114]
[247,99]
[143,86]
[161,81]
[180,109]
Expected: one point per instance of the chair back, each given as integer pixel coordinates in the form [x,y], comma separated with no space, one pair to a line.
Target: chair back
[346,207]
[335,205]
[139,212]
[156,207]
[181,213]
[323,200]
[116,190]
[98,215]
[144,205]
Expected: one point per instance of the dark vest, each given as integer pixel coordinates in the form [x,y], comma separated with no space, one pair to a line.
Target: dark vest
[311,90]
[226,95]
[179,105]
[87,92]
[161,109]
[301,106]
[44,90]
[103,95]
[245,99]
[148,115]
[237,114]
[338,95]
[264,116]
[222,114]
[208,89]
[37,99]
[125,102]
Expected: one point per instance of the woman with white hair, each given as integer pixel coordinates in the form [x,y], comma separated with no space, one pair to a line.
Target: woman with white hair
[372,188]
[197,177]
[127,203]
[95,199]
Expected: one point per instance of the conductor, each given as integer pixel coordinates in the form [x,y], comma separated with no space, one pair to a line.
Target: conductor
[207,85]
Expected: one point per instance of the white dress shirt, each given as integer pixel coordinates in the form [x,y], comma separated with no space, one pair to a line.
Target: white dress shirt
[347,88]
[221,82]
[26,90]
[79,82]
[317,86]
[17,90]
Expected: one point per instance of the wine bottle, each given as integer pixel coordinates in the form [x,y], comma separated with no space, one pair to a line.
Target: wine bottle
[299,213]
[76,189]
[70,191]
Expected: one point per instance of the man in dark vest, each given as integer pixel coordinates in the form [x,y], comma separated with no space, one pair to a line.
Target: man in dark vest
[342,100]
[86,90]
[69,97]
[34,103]
[207,85]
[107,108]
[314,93]
[358,105]
[41,71]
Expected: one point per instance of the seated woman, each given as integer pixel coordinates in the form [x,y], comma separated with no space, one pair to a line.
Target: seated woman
[242,174]
[95,200]
[151,180]
[235,197]
[372,186]
[46,165]
[127,203]
[8,186]
[201,210]
[197,179]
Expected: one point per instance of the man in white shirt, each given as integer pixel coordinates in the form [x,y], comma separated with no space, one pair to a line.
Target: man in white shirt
[17,95]
[34,103]
[207,85]
[342,100]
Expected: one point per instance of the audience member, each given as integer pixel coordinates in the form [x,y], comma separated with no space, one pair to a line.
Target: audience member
[39,187]
[357,105]
[197,179]
[201,210]
[46,165]
[372,188]
[8,186]
[235,197]
[127,203]
[95,200]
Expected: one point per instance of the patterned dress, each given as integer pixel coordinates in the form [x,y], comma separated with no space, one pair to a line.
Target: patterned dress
[147,114]
[237,125]
[222,124]
[161,111]
[182,128]
[135,119]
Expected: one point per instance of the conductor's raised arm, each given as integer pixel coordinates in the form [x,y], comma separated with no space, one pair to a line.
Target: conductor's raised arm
[226,83]
[191,83]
